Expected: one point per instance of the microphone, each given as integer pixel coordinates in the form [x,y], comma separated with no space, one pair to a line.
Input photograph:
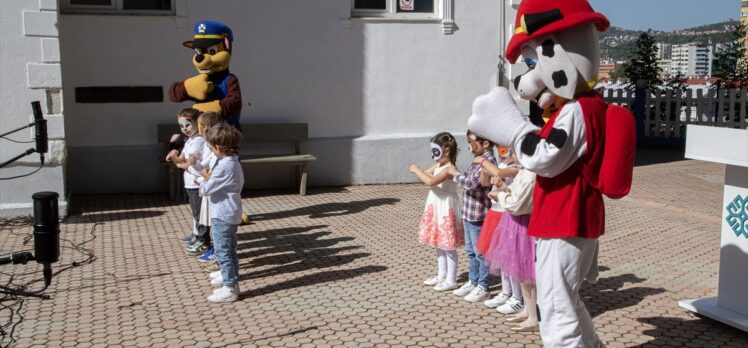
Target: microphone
[16,258]
[46,231]
[40,130]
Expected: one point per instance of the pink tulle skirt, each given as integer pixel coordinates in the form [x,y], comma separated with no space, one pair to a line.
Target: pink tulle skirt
[512,249]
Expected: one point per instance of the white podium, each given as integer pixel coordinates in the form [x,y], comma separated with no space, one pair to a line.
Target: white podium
[728,146]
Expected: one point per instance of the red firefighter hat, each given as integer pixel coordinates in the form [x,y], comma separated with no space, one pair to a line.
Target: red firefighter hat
[540,17]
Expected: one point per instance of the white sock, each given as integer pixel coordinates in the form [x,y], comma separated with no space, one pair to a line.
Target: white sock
[506,283]
[441,261]
[451,266]
[516,289]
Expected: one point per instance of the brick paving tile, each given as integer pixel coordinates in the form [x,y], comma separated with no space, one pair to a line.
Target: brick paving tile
[341,267]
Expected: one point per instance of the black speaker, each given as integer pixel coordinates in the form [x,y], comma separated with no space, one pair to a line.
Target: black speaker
[46,227]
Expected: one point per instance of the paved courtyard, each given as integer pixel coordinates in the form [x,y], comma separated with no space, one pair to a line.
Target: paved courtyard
[341,267]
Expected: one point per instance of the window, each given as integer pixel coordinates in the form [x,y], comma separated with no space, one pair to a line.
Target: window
[397,9]
[119,7]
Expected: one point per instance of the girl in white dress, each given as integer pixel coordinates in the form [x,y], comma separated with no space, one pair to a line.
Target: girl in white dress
[441,226]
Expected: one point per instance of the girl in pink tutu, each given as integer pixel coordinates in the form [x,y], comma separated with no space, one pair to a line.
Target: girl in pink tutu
[515,252]
[441,226]
[510,291]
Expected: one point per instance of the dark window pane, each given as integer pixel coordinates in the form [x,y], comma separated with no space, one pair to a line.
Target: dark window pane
[419,6]
[370,4]
[91,2]
[146,5]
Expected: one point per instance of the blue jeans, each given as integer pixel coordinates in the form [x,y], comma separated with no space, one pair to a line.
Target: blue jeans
[224,247]
[478,271]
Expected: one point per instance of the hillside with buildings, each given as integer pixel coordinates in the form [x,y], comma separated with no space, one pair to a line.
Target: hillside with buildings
[616,43]
[688,53]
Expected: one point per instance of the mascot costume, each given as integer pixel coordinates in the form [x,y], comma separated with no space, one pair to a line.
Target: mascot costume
[214,88]
[586,149]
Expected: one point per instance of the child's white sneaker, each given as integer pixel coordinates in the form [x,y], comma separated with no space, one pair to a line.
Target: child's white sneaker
[215,274]
[444,286]
[431,281]
[216,281]
[225,294]
[511,306]
[499,300]
[465,289]
[478,294]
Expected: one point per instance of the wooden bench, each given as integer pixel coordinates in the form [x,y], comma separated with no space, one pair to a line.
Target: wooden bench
[257,136]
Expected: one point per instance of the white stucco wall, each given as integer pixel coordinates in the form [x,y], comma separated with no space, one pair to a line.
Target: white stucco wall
[29,71]
[372,92]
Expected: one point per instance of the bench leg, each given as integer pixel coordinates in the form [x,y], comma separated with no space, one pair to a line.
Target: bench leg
[302,189]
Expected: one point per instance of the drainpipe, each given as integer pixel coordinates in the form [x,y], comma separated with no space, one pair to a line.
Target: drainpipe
[502,43]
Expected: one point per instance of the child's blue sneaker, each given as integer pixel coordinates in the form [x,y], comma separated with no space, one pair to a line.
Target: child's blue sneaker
[208,256]
[188,238]
[192,241]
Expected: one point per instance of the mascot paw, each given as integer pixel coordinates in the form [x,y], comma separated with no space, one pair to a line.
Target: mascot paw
[214,106]
[198,87]
[497,118]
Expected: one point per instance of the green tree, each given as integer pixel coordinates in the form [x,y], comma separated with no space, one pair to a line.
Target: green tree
[616,74]
[642,64]
[730,63]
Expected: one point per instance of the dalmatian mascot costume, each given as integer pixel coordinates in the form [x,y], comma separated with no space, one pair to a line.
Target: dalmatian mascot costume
[585,149]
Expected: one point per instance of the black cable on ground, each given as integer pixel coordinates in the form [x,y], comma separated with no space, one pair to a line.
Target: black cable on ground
[12,297]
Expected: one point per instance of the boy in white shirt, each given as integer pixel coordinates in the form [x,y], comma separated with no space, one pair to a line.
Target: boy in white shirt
[224,187]
[187,119]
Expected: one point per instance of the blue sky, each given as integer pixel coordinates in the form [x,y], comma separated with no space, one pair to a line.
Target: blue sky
[666,14]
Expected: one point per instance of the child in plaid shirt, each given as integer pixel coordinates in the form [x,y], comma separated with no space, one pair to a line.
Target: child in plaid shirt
[474,207]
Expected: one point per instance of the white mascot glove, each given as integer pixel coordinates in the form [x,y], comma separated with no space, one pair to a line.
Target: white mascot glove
[496,118]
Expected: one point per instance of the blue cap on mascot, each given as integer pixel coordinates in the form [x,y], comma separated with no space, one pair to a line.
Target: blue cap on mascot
[208,33]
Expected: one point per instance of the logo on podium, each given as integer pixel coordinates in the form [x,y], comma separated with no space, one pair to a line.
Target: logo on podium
[737,216]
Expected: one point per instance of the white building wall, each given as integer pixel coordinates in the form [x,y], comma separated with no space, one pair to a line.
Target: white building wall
[30,71]
[372,91]
[691,60]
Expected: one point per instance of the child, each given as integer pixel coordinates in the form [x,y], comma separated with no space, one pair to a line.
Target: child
[224,187]
[489,237]
[474,207]
[206,160]
[440,226]
[516,252]
[494,214]
[187,119]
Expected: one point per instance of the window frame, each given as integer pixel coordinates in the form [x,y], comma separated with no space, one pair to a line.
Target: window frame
[390,12]
[116,7]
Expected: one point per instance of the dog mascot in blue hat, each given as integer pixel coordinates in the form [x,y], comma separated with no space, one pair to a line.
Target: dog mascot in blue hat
[214,88]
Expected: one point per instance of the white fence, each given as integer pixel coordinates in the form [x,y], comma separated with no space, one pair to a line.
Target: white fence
[666,114]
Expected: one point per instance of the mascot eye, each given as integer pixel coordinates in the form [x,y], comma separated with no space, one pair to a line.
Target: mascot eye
[211,50]
[531,63]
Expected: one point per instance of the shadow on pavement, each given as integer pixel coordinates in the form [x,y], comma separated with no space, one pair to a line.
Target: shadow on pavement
[701,332]
[292,250]
[648,155]
[606,295]
[310,191]
[113,216]
[312,279]
[326,209]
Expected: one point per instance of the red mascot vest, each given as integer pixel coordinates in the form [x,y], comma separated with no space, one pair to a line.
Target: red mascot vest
[567,205]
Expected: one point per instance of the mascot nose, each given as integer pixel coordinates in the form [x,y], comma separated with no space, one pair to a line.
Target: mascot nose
[516,81]
[199,58]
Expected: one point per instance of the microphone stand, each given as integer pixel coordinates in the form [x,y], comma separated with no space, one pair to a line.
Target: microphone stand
[38,118]
[28,152]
